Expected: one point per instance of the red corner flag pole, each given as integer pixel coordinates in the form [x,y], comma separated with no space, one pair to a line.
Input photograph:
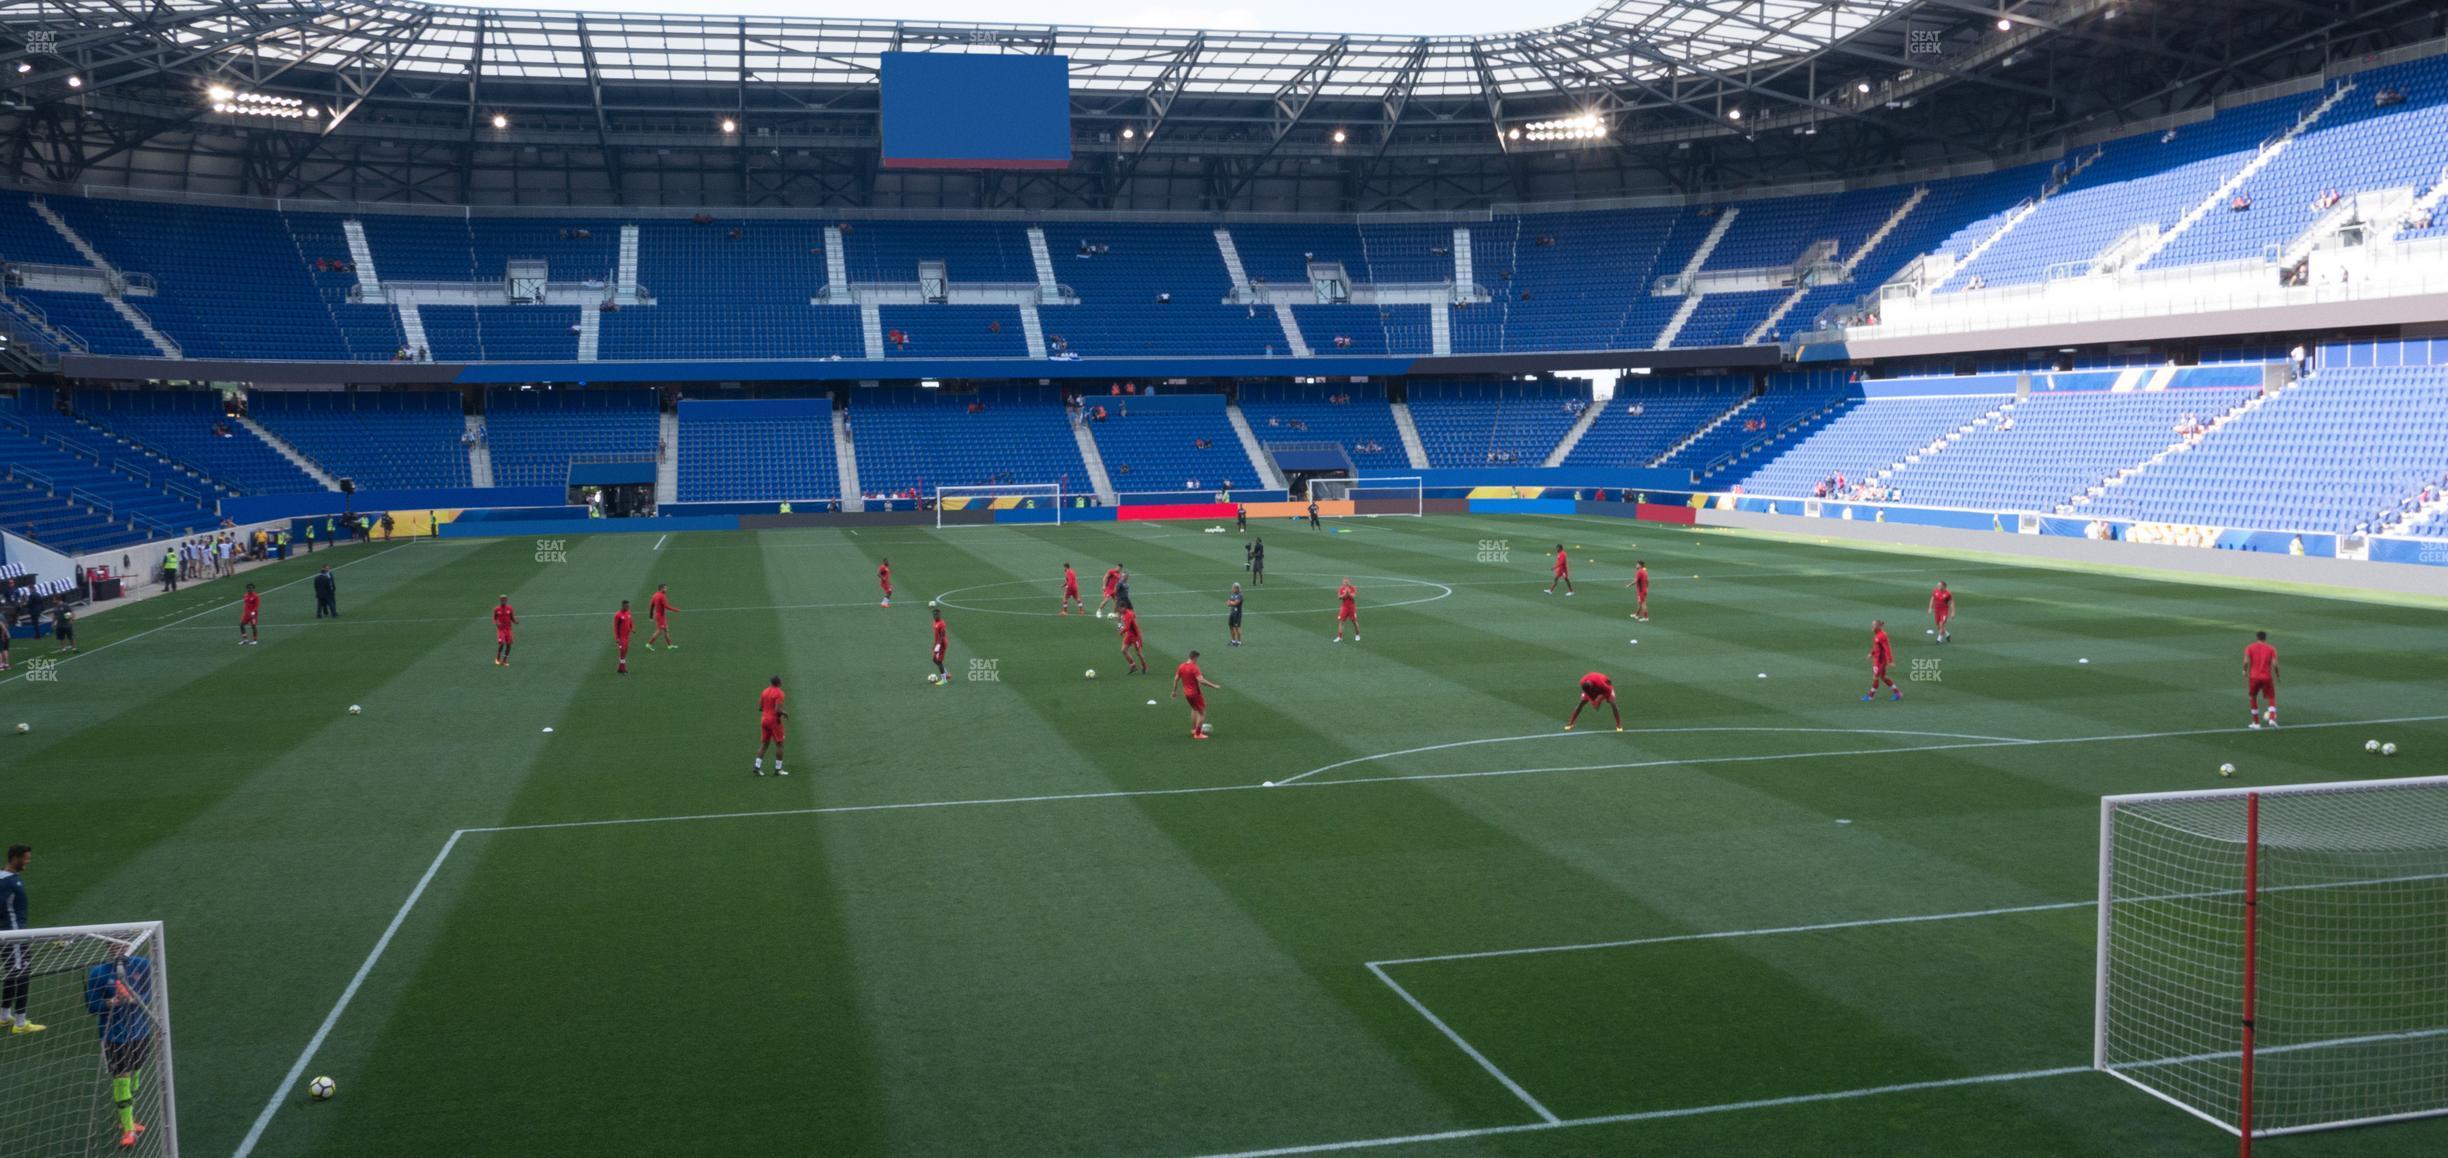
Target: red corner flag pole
[2252,909]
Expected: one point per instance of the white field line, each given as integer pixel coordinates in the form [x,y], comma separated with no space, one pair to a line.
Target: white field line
[1732,934]
[213,610]
[1656,1115]
[524,616]
[1704,760]
[1630,732]
[658,542]
[1423,1010]
[306,1057]
[288,1086]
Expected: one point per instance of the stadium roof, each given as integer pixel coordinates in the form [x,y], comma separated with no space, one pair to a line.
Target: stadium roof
[400,100]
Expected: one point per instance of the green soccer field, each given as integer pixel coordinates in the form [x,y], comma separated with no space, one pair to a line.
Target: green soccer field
[544,909]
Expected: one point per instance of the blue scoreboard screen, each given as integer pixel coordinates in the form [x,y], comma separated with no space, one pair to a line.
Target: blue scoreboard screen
[957,110]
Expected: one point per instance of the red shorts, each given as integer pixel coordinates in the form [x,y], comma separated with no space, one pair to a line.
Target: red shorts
[501,635]
[246,617]
[1131,639]
[661,622]
[2262,687]
[1109,593]
[623,644]
[1561,573]
[1197,703]
[1641,589]
[1348,612]
[770,731]
[1071,591]
[1944,613]
[1595,697]
[1878,671]
[939,653]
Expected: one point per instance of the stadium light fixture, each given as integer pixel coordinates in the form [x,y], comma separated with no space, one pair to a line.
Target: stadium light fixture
[76,82]
[500,121]
[220,94]
[255,104]
[1129,133]
[1861,86]
[2005,25]
[1581,127]
[24,67]
[1339,137]
[1733,114]
[729,126]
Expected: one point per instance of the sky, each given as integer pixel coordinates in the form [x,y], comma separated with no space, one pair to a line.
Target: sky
[1395,17]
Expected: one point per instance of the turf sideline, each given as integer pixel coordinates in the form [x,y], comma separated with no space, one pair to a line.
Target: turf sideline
[81,653]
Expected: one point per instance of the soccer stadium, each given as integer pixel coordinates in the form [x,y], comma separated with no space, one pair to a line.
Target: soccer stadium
[495,503]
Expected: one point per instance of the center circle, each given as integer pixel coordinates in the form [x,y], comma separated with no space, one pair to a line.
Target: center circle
[1432,591]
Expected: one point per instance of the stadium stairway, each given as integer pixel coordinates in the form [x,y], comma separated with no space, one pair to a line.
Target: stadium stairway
[845,460]
[2168,453]
[1095,461]
[667,463]
[1414,451]
[1572,438]
[1704,429]
[480,453]
[2218,197]
[317,473]
[1267,475]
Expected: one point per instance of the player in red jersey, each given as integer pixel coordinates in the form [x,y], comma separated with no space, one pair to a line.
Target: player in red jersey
[503,620]
[622,624]
[1882,653]
[1942,610]
[1596,689]
[1134,648]
[1640,590]
[1113,583]
[249,611]
[770,723]
[1563,571]
[884,579]
[939,679]
[1347,610]
[1191,685]
[660,606]
[1071,595]
[2260,681]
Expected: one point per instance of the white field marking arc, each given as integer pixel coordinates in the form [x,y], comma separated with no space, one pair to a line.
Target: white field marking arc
[1632,732]
[1979,743]
[1656,1115]
[215,609]
[374,956]
[1443,591]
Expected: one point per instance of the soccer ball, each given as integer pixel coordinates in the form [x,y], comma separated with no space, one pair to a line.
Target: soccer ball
[930,677]
[2371,745]
[2388,749]
[22,729]
[1091,673]
[2226,769]
[355,710]
[931,604]
[321,1089]
[1207,729]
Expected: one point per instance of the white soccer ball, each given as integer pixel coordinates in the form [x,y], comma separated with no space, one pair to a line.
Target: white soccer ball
[2388,749]
[355,710]
[932,604]
[1207,729]
[2371,745]
[930,677]
[2226,769]
[22,729]
[321,1089]
[1091,674]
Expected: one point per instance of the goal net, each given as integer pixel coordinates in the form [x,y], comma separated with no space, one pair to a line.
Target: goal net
[1009,497]
[99,1069]
[2275,960]
[1394,495]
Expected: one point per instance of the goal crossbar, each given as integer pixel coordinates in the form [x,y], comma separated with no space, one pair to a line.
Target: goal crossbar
[1373,494]
[1005,497]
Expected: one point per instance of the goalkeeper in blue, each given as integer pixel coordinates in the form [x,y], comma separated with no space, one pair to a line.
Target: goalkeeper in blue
[119,993]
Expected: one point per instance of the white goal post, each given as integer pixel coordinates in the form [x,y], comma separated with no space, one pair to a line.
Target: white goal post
[2275,960]
[1370,496]
[101,1061]
[1010,496]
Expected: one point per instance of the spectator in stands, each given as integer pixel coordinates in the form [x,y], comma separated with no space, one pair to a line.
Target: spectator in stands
[2418,219]
[994,327]
[2006,425]
[2392,95]
[1273,420]
[2240,202]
